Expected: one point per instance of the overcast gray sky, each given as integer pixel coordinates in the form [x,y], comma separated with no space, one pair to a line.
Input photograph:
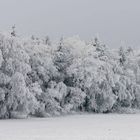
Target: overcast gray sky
[116,21]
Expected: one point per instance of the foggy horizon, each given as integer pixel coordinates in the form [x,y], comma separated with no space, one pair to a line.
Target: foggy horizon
[116,22]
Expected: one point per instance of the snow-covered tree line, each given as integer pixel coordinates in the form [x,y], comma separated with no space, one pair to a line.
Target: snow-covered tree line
[42,78]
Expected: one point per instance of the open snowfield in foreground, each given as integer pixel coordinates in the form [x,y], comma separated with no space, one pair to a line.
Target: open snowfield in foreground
[75,127]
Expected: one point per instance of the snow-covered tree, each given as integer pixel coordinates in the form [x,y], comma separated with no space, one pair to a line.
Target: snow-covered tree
[42,79]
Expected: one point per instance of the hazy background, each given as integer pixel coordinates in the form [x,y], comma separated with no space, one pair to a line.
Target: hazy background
[116,21]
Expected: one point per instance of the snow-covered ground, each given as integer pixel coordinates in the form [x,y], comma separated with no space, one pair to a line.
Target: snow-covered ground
[75,127]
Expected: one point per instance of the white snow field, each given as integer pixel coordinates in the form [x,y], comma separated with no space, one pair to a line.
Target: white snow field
[73,127]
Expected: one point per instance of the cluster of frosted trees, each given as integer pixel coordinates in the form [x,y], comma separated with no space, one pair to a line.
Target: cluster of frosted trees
[42,78]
